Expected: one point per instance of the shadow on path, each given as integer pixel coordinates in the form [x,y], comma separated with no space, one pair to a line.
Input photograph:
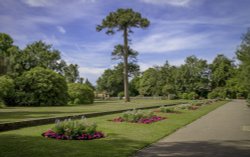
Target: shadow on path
[198,149]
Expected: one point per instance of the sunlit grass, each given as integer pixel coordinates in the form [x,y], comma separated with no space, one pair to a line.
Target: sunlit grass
[11,114]
[122,139]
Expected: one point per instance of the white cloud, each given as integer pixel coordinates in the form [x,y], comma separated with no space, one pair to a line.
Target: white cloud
[37,3]
[91,73]
[61,29]
[165,43]
[91,70]
[179,3]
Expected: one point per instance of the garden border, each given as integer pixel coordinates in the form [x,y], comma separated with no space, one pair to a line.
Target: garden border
[28,123]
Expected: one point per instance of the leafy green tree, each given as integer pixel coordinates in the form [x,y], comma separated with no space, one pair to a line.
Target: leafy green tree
[234,88]
[148,82]
[111,80]
[71,73]
[123,20]
[243,54]
[6,89]
[119,52]
[40,87]
[222,69]
[194,76]
[167,79]
[42,55]
[6,42]
[134,86]
[219,92]
[80,94]
[90,84]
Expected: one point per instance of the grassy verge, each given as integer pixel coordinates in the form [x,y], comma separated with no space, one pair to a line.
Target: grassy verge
[122,140]
[12,114]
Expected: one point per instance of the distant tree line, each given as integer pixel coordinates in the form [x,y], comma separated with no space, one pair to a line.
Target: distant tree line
[36,75]
[223,78]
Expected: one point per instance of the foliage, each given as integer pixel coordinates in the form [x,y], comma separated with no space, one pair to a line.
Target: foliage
[184,95]
[149,82]
[80,94]
[119,52]
[134,86]
[90,84]
[218,93]
[192,96]
[6,89]
[42,55]
[73,128]
[123,20]
[6,43]
[71,73]
[121,95]
[111,80]
[40,87]
[136,115]
[168,109]
[222,69]
[243,54]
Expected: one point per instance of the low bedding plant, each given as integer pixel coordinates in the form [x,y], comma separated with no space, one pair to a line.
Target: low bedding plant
[73,130]
[193,106]
[165,109]
[139,116]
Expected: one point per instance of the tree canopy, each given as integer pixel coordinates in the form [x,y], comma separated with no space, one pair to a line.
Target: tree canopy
[123,20]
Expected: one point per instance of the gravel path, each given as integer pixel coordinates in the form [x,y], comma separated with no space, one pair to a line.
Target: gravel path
[224,132]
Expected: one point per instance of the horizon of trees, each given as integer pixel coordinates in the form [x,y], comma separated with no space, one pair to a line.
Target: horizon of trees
[222,78]
[38,76]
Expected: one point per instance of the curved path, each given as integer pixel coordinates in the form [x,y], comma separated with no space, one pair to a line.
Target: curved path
[224,132]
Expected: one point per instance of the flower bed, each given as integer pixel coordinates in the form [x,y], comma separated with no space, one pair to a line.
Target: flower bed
[138,116]
[73,130]
[168,110]
[52,134]
[193,107]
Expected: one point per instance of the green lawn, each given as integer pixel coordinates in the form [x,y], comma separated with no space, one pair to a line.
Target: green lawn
[123,139]
[11,114]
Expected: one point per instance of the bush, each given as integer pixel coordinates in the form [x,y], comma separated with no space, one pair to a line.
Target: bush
[171,96]
[80,94]
[184,96]
[41,87]
[74,127]
[168,109]
[73,130]
[192,96]
[217,93]
[136,115]
[6,90]
[121,95]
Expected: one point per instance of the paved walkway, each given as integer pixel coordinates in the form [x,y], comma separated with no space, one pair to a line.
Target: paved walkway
[224,132]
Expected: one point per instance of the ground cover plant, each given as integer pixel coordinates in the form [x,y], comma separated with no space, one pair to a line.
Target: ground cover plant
[165,109]
[73,130]
[11,114]
[139,116]
[121,139]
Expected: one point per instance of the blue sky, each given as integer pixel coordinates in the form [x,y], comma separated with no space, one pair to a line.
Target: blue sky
[179,28]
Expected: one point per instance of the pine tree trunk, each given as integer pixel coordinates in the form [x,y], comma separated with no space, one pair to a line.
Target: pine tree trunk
[126,87]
